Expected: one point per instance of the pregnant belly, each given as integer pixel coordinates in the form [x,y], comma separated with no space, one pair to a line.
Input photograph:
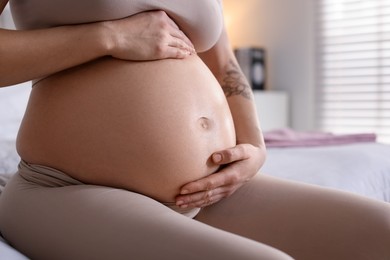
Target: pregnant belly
[149,127]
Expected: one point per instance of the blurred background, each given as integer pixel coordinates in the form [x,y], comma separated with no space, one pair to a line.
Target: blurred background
[331,58]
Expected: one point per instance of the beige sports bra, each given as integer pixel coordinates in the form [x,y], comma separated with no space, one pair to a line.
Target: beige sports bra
[200,20]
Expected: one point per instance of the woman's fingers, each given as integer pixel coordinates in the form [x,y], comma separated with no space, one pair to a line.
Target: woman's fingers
[205,198]
[182,41]
[240,164]
[174,52]
[210,189]
[222,178]
[147,36]
[237,153]
[177,33]
[180,44]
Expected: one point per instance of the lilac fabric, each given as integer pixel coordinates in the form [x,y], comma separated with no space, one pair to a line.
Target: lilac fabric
[287,137]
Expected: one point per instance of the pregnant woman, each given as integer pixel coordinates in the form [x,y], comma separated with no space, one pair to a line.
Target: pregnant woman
[141,141]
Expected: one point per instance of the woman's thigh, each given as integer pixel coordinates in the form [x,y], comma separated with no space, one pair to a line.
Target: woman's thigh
[94,222]
[305,221]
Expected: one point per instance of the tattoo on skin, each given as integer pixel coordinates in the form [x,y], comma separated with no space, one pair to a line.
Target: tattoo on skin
[234,82]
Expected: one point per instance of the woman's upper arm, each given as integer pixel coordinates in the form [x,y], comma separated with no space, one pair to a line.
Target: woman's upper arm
[3,3]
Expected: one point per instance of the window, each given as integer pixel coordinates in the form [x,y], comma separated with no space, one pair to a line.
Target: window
[353,76]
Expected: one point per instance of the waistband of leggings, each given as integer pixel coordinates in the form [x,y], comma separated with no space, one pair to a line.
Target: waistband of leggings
[45,176]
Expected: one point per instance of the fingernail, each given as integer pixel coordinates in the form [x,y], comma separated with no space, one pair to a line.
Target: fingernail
[183,206]
[217,157]
[184,192]
[179,203]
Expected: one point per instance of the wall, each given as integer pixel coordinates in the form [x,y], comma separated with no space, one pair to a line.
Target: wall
[285,28]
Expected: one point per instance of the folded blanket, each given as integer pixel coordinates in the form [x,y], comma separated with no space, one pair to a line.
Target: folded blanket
[287,137]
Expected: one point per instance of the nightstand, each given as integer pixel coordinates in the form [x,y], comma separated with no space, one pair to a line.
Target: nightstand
[272,109]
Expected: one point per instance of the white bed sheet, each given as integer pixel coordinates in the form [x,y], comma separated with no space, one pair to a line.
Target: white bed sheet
[9,253]
[362,168]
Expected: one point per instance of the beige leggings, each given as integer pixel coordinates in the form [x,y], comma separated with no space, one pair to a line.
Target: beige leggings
[48,215]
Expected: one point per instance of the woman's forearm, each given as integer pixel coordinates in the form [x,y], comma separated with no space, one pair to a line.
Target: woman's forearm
[222,62]
[241,102]
[27,55]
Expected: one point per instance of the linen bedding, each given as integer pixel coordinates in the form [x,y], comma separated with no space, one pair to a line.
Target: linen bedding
[351,162]
[362,168]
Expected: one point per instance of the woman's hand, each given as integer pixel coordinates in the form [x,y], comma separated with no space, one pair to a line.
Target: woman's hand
[240,164]
[147,36]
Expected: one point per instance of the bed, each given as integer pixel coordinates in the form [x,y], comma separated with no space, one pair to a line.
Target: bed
[362,168]
[355,163]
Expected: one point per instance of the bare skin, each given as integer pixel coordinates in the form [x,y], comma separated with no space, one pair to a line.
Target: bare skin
[32,54]
[119,39]
[116,126]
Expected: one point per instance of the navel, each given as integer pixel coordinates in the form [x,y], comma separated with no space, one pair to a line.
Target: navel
[204,123]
